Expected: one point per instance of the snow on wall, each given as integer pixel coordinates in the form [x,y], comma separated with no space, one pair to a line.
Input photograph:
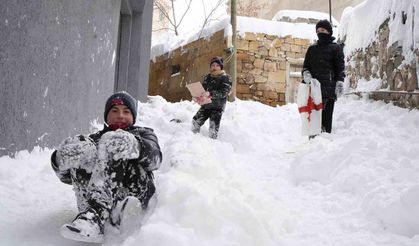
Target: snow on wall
[360,24]
[295,14]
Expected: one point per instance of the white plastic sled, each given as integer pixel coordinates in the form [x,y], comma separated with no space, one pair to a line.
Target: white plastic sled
[309,101]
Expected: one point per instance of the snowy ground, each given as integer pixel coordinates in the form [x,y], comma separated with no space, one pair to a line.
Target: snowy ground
[259,184]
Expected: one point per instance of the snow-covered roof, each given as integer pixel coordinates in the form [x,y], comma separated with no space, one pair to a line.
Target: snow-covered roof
[299,14]
[247,24]
[279,28]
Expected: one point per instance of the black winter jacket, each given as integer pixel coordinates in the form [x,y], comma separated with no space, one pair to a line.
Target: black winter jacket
[219,87]
[326,63]
[149,159]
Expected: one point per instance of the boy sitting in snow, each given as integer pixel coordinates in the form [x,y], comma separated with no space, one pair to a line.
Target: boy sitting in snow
[111,171]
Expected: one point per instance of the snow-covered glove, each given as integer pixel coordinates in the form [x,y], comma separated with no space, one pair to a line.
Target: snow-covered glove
[202,98]
[118,145]
[307,76]
[75,151]
[339,88]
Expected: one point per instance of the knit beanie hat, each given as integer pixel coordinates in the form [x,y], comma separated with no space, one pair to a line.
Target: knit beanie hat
[121,98]
[326,25]
[218,60]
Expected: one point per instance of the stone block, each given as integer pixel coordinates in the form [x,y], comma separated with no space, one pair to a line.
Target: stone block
[285,47]
[270,66]
[263,51]
[267,43]
[260,79]
[271,37]
[278,87]
[273,52]
[281,97]
[260,36]
[256,71]
[296,48]
[242,44]
[259,63]
[263,87]
[248,65]
[278,42]
[282,65]
[243,89]
[411,78]
[253,46]
[270,95]
[278,76]
[250,36]
[242,56]
[289,39]
[302,42]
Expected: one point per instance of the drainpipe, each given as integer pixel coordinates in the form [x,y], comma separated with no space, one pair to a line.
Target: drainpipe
[330,11]
[233,60]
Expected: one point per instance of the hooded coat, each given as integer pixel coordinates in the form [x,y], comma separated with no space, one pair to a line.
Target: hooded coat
[325,61]
[219,86]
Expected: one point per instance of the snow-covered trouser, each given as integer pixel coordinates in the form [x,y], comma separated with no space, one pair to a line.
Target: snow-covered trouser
[99,181]
[202,115]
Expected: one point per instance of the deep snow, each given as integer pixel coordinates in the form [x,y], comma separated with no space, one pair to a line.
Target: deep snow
[260,183]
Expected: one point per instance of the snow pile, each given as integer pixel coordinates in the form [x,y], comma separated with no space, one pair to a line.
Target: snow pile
[260,183]
[364,85]
[402,16]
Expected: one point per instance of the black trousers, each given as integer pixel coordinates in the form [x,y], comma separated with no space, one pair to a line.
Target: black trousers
[202,115]
[110,182]
[327,114]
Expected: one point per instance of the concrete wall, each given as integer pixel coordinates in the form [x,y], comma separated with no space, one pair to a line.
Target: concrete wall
[134,48]
[57,67]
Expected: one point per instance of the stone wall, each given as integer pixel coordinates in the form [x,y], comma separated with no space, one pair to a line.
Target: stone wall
[377,61]
[262,71]
[267,67]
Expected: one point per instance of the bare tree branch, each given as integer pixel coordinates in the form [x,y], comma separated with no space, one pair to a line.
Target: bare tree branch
[249,8]
[189,5]
[167,9]
[207,18]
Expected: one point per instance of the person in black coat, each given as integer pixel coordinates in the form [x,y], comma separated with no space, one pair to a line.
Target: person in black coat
[109,170]
[325,62]
[217,85]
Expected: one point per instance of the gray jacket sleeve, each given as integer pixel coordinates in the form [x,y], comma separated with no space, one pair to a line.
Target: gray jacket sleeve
[150,155]
[63,175]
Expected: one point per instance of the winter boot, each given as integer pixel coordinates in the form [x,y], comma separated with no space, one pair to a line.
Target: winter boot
[213,130]
[86,227]
[196,127]
[127,215]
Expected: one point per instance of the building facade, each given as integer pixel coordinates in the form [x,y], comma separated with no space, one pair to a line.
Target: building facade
[60,60]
